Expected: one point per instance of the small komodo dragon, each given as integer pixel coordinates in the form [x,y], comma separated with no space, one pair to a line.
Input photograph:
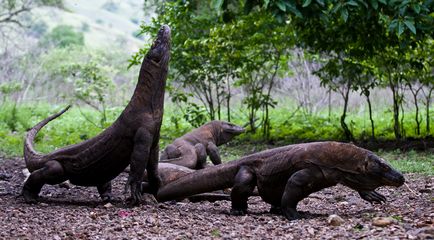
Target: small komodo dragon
[286,175]
[131,139]
[192,149]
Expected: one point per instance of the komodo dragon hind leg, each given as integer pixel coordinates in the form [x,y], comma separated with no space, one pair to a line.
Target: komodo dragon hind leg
[300,185]
[52,173]
[245,182]
[105,191]
[200,155]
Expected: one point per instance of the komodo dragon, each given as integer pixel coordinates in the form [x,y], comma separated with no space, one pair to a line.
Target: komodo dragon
[286,175]
[191,150]
[171,172]
[131,139]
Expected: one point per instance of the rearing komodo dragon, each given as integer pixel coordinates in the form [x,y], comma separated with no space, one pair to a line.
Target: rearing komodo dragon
[131,139]
[286,175]
[192,149]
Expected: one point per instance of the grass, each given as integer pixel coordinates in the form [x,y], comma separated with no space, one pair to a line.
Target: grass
[72,128]
[411,161]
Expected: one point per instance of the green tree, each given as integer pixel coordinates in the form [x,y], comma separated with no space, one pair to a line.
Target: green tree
[63,36]
[92,86]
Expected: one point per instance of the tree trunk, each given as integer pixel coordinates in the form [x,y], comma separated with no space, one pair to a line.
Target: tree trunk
[367,93]
[228,100]
[415,92]
[330,103]
[219,100]
[428,99]
[396,125]
[347,131]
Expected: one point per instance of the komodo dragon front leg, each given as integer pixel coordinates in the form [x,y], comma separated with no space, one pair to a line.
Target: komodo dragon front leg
[213,153]
[200,155]
[372,196]
[143,148]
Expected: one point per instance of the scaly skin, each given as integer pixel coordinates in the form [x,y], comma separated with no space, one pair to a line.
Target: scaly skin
[192,149]
[131,139]
[171,172]
[286,175]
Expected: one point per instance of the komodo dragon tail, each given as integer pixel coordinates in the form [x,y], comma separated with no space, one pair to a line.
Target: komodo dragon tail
[32,157]
[201,181]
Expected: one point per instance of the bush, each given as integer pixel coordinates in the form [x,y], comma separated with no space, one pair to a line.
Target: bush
[63,36]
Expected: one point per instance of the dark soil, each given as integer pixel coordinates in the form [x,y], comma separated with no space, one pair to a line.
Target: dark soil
[78,213]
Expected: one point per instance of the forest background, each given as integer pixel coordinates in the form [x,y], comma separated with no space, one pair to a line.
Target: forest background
[289,71]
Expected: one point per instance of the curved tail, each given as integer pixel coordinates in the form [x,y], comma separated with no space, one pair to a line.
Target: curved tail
[201,181]
[33,158]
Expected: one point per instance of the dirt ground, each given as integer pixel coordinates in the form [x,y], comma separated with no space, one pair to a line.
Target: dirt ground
[78,213]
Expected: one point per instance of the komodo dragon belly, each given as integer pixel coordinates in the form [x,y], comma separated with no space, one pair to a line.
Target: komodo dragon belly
[271,189]
[100,169]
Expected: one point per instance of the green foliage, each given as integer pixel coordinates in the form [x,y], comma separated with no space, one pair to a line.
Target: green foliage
[63,36]
[92,85]
[209,55]
[195,114]
[398,17]
[88,76]
[9,88]
[411,162]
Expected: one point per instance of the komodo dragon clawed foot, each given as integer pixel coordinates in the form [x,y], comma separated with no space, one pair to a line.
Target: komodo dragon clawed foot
[372,196]
[146,199]
[276,210]
[238,212]
[29,196]
[291,214]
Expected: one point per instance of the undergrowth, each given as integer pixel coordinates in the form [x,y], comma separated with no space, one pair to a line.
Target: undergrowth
[78,124]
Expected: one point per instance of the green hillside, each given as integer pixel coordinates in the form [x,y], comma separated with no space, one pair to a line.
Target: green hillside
[103,22]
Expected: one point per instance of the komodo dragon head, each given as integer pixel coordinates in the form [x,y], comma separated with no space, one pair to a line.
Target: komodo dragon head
[225,131]
[373,172]
[159,54]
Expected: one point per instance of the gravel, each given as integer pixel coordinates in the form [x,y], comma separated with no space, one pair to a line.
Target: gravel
[78,213]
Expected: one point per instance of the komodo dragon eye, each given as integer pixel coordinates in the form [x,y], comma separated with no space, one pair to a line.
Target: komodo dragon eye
[385,168]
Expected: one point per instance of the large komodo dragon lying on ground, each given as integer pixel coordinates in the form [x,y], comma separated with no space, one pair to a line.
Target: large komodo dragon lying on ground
[192,149]
[286,175]
[131,139]
[171,172]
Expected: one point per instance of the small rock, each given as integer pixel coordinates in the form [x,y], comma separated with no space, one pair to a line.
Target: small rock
[382,221]
[108,205]
[311,231]
[150,220]
[92,215]
[335,220]
[5,176]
